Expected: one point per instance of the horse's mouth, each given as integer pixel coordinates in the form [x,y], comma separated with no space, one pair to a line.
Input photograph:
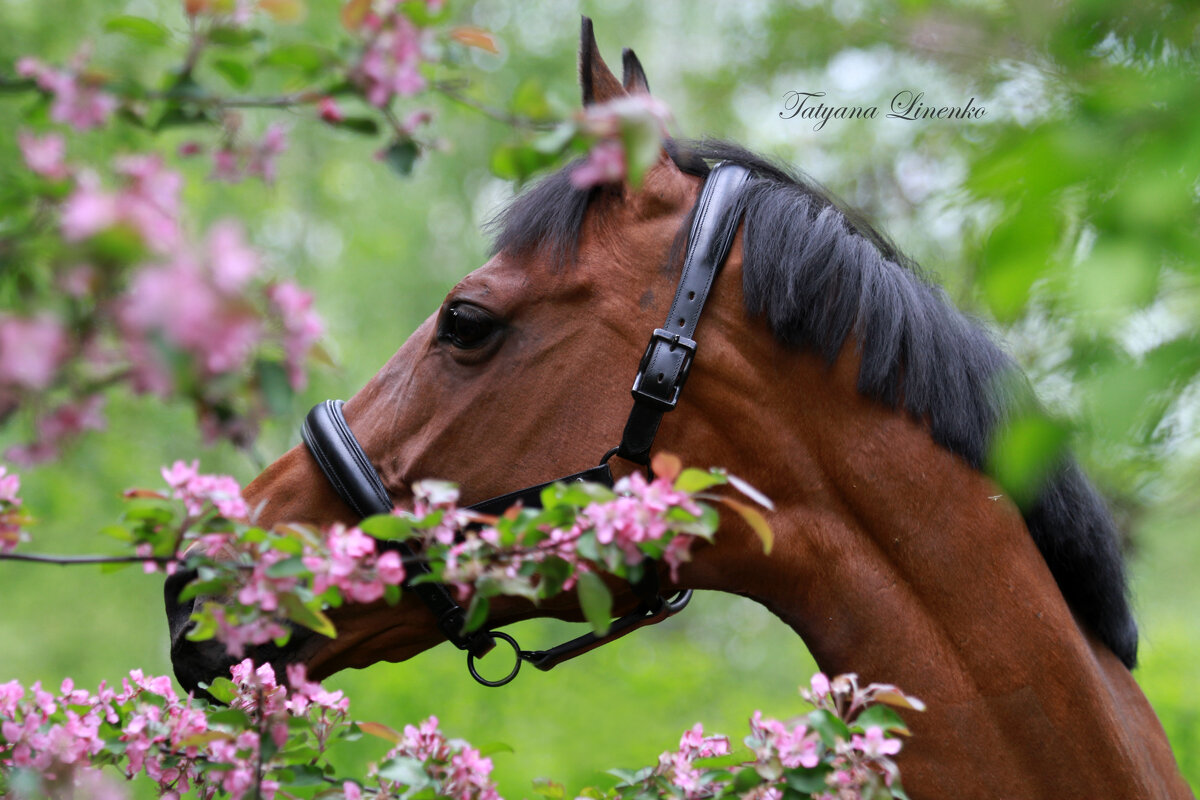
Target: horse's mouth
[201,662]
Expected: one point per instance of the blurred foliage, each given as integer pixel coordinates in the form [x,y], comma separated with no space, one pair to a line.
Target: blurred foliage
[1067,215]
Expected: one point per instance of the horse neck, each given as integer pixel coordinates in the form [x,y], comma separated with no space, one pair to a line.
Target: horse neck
[896,560]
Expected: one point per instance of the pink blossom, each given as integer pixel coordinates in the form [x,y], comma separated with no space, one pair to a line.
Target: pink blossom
[605,164]
[302,327]
[225,166]
[874,744]
[10,485]
[351,790]
[700,746]
[75,103]
[415,120]
[31,350]
[390,64]
[263,155]
[148,203]
[233,263]
[328,108]
[44,155]
[89,209]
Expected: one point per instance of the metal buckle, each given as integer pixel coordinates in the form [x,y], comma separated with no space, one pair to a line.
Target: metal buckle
[673,340]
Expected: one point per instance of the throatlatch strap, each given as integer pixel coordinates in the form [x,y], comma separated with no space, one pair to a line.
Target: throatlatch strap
[668,358]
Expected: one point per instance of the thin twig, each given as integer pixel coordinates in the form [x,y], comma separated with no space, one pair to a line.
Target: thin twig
[72,561]
[450,90]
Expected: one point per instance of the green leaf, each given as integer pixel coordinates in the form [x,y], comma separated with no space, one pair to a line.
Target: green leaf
[235,72]
[306,58]
[222,689]
[1023,453]
[275,385]
[288,568]
[118,532]
[401,155]
[364,125]
[491,748]
[882,716]
[808,781]
[477,613]
[529,100]
[215,586]
[138,28]
[314,620]
[746,779]
[829,727]
[693,480]
[405,770]
[302,775]
[228,36]
[643,144]
[519,161]
[596,602]
[388,527]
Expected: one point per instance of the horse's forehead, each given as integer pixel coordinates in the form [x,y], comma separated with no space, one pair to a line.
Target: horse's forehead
[507,279]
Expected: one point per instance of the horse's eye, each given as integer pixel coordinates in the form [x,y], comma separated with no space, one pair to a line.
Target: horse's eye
[466,326]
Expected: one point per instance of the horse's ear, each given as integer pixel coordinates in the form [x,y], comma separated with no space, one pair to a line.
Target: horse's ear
[596,79]
[634,76]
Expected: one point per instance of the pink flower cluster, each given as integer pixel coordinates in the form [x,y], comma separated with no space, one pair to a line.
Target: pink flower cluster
[76,102]
[200,492]
[607,161]
[12,530]
[31,351]
[795,745]
[44,155]
[302,327]
[679,767]
[56,427]
[458,770]
[165,737]
[622,526]
[350,563]
[147,203]
[259,693]
[639,514]
[196,302]
[232,163]
[391,59]
[345,559]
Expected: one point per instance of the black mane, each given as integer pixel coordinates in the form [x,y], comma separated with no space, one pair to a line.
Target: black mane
[820,273]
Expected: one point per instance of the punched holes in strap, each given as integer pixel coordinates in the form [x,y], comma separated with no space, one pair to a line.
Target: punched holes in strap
[667,362]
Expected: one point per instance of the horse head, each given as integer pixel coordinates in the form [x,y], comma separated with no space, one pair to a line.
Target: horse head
[836,379]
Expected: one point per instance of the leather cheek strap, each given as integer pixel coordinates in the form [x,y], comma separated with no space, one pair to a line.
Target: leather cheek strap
[668,358]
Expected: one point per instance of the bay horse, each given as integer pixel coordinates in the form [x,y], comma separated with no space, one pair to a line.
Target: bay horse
[833,377]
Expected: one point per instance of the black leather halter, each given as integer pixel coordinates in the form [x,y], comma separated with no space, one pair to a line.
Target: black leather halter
[663,370]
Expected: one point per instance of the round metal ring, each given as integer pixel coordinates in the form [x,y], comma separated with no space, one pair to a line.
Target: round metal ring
[507,678]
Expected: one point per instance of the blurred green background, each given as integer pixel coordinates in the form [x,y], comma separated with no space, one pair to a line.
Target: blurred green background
[1089,135]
